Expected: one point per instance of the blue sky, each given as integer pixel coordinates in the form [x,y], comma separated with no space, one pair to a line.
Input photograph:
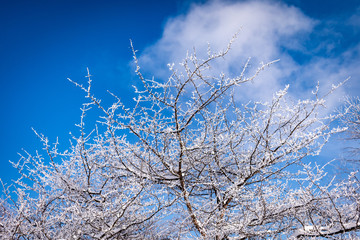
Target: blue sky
[43,43]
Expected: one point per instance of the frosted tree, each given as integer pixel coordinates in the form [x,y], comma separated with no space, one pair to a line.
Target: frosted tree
[187,161]
[352,121]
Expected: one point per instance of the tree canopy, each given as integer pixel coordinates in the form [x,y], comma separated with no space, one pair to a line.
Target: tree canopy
[187,161]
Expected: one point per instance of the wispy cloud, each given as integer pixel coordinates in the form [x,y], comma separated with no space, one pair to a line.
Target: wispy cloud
[354,19]
[268,30]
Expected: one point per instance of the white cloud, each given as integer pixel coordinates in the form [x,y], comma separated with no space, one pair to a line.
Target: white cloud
[268,31]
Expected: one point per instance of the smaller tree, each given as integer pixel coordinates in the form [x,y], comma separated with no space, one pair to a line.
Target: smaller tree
[352,121]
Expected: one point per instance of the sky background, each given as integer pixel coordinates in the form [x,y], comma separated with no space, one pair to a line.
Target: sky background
[42,43]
